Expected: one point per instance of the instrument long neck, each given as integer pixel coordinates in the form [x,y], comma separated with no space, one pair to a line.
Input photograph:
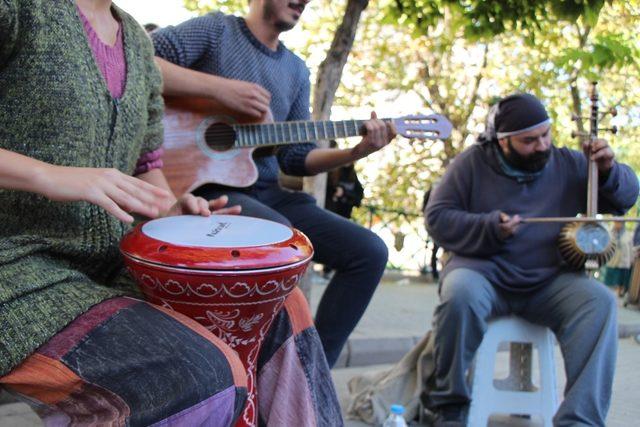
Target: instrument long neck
[257,135]
[592,183]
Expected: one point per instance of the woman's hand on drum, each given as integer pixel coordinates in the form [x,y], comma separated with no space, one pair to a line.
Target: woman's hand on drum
[189,204]
[116,192]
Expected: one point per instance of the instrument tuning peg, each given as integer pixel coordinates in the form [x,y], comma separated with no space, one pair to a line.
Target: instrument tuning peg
[612,112]
[577,134]
[575,117]
[612,129]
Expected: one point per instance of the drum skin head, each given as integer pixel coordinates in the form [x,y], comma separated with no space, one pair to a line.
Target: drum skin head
[217,242]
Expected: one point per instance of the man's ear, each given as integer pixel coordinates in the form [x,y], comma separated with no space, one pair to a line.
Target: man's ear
[504,144]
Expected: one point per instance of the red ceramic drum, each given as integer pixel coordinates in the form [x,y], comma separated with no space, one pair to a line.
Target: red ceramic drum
[230,273]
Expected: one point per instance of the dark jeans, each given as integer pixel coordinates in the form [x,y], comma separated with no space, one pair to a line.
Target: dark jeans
[357,255]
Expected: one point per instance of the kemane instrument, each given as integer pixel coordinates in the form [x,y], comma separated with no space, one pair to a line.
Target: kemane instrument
[208,144]
[585,241]
[230,273]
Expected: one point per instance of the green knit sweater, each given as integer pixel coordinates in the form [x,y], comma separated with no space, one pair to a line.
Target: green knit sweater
[59,259]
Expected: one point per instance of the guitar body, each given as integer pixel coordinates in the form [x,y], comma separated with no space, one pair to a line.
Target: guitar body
[189,161]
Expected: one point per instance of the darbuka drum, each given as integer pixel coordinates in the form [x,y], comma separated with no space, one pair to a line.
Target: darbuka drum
[230,273]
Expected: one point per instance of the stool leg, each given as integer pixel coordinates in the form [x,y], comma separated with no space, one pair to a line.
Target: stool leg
[520,355]
[548,379]
[482,384]
[518,395]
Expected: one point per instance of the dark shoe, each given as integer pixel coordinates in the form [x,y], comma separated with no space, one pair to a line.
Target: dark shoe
[448,416]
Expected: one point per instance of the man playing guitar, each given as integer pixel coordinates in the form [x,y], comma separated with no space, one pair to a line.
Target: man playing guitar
[241,64]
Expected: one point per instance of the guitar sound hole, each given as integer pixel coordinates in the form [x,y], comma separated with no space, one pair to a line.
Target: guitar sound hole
[220,136]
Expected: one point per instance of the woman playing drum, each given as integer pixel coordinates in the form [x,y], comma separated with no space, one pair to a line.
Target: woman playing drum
[80,112]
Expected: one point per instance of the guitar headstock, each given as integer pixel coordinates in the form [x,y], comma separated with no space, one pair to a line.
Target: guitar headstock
[432,126]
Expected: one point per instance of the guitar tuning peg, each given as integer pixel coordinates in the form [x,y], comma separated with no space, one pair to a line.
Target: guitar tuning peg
[577,134]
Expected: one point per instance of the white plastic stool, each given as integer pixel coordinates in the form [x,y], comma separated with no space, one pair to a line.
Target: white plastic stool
[486,399]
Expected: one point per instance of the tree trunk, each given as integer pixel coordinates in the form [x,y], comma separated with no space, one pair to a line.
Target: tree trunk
[327,82]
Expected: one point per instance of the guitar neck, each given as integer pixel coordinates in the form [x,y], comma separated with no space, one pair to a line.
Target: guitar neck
[267,134]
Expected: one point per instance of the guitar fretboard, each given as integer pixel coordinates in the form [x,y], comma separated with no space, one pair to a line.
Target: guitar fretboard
[294,132]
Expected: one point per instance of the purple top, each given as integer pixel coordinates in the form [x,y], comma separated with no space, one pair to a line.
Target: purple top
[110,59]
[150,160]
[113,66]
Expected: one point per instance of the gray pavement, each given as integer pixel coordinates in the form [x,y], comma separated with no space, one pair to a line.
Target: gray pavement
[400,312]
[624,412]
[402,309]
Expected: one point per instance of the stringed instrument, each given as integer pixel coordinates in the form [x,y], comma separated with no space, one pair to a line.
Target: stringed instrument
[584,241]
[205,143]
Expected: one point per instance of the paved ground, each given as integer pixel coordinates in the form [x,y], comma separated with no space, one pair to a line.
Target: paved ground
[624,412]
[401,308]
[401,311]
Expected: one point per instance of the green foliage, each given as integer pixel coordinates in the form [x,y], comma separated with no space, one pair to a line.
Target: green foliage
[608,51]
[486,19]
[226,6]
[427,55]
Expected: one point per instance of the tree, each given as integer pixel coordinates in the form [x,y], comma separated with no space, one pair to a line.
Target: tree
[328,79]
[453,57]
[526,51]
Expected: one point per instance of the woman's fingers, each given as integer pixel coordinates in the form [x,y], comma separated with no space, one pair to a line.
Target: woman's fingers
[232,210]
[147,188]
[218,203]
[143,194]
[190,204]
[131,203]
[217,206]
[203,207]
[113,208]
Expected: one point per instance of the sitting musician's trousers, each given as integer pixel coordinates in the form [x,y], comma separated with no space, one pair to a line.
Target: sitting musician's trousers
[127,362]
[357,255]
[579,310]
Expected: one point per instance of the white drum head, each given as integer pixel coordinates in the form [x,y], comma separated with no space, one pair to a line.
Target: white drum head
[217,231]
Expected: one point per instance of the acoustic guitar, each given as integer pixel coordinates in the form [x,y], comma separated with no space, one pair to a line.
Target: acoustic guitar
[205,143]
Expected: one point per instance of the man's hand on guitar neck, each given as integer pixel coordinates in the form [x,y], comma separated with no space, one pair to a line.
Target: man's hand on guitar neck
[378,134]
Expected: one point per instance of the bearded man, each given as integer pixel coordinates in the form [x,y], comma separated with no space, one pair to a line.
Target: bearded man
[500,266]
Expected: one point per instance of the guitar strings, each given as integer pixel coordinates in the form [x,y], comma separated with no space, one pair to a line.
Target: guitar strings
[227,133]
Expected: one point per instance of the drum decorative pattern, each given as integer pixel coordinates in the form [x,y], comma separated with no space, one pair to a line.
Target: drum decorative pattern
[239,312]
[238,306]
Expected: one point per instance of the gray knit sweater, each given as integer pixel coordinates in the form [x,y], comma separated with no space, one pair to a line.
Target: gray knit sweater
[59,259]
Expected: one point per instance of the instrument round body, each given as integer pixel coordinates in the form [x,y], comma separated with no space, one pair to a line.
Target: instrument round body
[230,273]
[583,242]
